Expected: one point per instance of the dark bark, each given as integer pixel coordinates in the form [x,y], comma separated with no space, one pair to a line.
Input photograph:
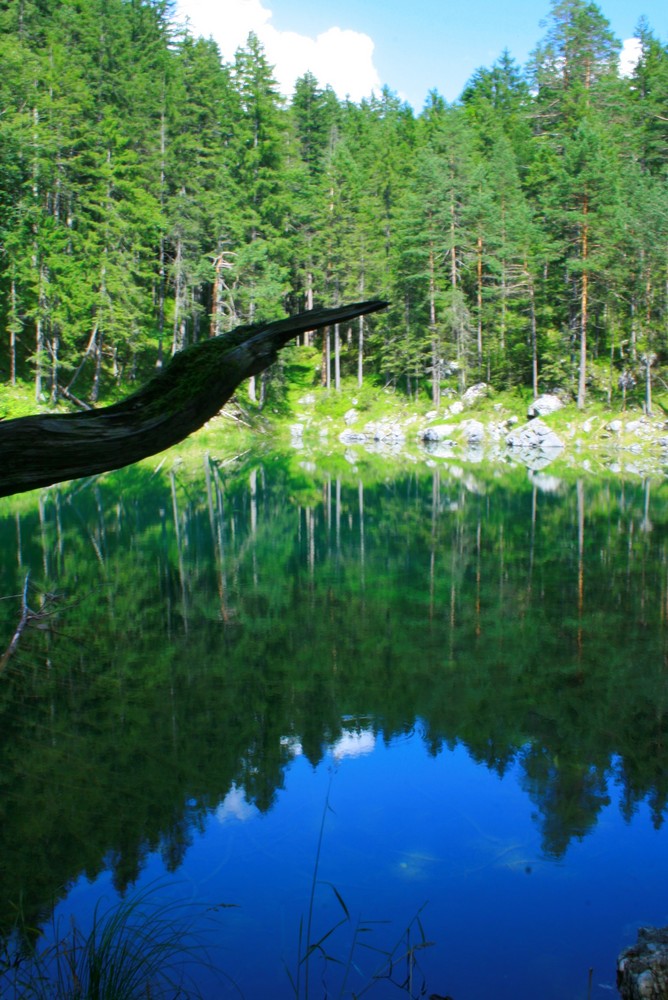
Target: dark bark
[50,448]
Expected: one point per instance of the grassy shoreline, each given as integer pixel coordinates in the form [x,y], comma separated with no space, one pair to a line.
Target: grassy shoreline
[357,427]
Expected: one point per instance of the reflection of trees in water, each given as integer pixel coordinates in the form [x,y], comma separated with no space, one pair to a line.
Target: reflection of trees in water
[210,618]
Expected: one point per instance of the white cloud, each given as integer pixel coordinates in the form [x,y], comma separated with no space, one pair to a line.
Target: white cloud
[629,56]
[339,57]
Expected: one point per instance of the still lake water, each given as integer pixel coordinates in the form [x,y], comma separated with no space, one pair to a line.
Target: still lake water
[460,677]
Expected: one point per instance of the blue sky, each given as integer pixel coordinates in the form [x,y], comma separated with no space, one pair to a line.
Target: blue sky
[412,47]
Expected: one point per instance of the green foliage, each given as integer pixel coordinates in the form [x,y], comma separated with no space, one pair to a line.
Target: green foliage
[152,195]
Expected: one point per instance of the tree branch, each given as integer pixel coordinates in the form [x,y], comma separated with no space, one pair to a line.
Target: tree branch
[51,448]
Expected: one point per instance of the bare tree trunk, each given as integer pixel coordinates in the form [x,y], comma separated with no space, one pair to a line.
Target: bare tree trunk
[584,306]
[97,374]
[90,347]
[178,341]
[360,339]
[53,348]
[161,249]
[326,360]
[309,305]
[534,329]
[14,327]
[337,358]
[435,346]
[39,336]
[479,299]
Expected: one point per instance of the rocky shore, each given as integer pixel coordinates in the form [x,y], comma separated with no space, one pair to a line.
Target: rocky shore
[473,429]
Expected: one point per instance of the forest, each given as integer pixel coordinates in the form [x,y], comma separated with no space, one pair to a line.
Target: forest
[152,196]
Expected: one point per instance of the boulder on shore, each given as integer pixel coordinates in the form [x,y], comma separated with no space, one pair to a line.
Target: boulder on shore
[475,393]
[547,403]
[439,432]
[642,969]
[536,435]
[534,444]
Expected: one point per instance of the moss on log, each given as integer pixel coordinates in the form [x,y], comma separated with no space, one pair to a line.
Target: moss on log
[44,449]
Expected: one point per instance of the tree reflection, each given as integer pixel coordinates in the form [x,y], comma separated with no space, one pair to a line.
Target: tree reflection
[216,620]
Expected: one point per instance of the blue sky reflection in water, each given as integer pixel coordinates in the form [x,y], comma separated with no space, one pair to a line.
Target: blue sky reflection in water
[406,829]
[470,664]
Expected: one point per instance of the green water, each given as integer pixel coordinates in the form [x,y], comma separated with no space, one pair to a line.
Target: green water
[192,629]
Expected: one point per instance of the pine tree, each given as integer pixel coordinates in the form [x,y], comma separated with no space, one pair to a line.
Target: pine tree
[575,70]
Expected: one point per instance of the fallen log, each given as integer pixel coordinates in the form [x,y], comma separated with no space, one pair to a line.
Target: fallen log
[50,448]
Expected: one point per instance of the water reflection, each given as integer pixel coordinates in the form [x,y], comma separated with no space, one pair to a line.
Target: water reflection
[211,630]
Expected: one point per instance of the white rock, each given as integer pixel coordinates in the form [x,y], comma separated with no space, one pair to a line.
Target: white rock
[440,432]
[472,430]
[543,405]
[352,437]
[474,393]
[534,435]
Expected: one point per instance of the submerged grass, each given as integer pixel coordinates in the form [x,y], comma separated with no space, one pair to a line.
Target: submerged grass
[135,950]
[397,965]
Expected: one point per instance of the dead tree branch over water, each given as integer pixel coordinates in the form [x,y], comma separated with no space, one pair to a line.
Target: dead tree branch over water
[44,449]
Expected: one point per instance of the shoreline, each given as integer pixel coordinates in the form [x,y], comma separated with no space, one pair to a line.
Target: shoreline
[483,430]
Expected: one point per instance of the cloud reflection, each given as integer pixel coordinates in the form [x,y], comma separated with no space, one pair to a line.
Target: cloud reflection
[235,806]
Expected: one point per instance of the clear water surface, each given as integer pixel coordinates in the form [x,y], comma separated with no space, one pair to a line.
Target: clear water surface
[445,688]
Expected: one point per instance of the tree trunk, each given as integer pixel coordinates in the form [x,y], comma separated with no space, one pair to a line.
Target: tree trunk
[326,360]
[479,299]
[161,250]
[360,342]
[42,450]
[435,346]
[534,329]
[337,358]
[584,307]
[14,327]
[178,338]
[309,305]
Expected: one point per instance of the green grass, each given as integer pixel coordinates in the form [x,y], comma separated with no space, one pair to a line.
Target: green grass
[18,400]
[135,950]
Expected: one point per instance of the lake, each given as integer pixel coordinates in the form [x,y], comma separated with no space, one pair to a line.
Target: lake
[422,708]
